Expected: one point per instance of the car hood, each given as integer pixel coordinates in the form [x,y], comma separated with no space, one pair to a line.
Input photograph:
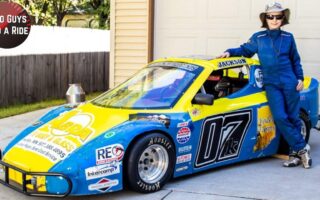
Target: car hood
[57,139]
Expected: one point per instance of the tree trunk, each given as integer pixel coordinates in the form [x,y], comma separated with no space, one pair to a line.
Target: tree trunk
[60,18]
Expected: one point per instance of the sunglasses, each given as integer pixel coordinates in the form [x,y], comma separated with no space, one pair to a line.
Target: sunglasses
[271,17]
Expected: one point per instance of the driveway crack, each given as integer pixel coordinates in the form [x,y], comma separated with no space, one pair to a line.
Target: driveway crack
[167,195]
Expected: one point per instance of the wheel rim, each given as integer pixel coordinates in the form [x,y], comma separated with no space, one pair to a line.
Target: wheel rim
[153,163]
[303,129]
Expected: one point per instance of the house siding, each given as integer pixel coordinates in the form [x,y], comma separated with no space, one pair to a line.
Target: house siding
[131,36]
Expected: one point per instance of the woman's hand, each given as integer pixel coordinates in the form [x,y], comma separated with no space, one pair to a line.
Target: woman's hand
[300,85]
[224,55]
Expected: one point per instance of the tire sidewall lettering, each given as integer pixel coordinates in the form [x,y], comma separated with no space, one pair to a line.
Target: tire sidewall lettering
[161,141]
[132,172]
[149,187]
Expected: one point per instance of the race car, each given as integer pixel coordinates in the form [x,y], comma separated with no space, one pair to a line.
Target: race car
[175,117]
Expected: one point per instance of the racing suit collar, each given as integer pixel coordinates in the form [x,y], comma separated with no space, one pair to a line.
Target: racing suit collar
[274,33]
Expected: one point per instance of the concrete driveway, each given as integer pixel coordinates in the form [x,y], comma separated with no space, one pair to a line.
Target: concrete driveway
[260,179]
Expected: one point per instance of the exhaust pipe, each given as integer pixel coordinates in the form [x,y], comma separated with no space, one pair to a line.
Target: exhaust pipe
[75,95]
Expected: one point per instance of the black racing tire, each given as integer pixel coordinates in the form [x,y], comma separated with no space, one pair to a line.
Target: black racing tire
[305,131]
[305,126]
[150,163]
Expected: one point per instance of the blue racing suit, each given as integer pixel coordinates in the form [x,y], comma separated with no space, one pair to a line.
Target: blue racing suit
[281,70]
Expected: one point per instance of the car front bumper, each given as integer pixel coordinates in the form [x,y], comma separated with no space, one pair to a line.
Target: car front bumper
[28,181]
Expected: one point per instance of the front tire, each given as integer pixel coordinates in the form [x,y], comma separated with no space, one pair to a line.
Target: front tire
[150,163]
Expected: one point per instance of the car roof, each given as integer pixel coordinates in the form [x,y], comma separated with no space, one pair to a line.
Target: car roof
[211,62]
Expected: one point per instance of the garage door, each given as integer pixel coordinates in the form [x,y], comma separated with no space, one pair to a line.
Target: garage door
[185,27]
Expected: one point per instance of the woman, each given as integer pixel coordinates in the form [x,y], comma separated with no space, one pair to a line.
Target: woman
[282,76]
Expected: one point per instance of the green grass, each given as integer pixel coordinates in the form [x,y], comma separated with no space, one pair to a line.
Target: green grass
[24,108]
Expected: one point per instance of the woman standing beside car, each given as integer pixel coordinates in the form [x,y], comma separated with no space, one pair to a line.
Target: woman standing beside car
[282,76]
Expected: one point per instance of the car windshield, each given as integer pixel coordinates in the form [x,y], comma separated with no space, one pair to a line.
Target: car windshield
[158,86]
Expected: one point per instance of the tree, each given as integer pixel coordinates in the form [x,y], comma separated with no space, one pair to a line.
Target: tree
[60,8]
[38,11]
[101,9]
[51,12]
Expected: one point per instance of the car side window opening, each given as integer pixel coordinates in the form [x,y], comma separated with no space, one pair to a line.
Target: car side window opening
[224,82]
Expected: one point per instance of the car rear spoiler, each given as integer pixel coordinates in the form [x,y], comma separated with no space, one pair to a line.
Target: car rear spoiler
[5,180]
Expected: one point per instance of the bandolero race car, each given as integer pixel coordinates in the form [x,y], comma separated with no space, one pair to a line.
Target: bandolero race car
[176,116]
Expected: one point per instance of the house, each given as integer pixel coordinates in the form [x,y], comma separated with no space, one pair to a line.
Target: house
[144,30]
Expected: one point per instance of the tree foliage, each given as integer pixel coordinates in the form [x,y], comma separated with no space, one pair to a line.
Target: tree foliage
[38,10]
[101,9]
[51,12]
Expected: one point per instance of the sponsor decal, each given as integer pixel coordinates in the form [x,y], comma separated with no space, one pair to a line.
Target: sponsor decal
[103,185]
[185,66]
[184,158]
[222,136]
[182,168]
[183,135]
[109,154]
[182,124]
[195,112]
[78,126]
[185,149]
[109,135]
[188,67]
[54,150]
[163,119]
[266,129]
[56,140]
[258,78]
[102,170]
[214,78]
[230,63]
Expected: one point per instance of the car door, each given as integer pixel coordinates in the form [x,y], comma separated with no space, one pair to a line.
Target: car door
[228,130]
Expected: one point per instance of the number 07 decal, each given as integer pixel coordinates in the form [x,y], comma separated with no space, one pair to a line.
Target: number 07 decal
[222,136]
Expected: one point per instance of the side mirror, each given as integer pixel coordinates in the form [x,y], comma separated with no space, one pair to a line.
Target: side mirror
[203,99]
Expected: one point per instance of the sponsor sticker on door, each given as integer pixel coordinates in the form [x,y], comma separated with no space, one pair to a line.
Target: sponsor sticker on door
[103,185]
[183,135]
[109,154]
[184,158]
[102,170]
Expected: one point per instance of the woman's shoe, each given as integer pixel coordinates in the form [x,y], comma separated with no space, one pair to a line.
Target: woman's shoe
[305,157]
[294,160]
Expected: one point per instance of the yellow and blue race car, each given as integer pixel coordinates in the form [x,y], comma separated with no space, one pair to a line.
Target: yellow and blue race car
[176,116]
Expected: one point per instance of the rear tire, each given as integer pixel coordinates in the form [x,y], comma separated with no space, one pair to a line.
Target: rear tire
[305,126]
[305,131]
[150,163]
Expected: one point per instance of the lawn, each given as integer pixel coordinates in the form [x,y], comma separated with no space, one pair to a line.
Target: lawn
[24,108]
